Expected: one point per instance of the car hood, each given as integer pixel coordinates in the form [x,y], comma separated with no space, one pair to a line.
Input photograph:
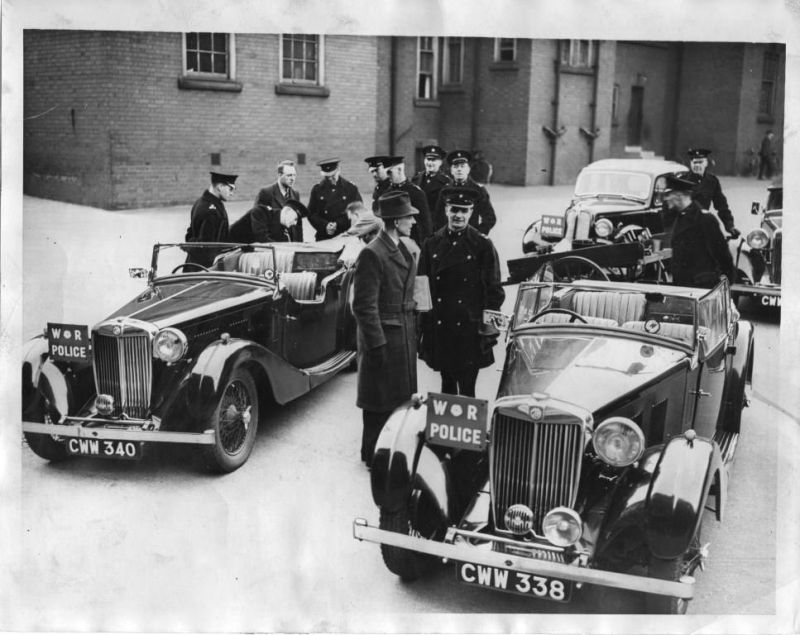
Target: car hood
[585,369]
[608,206]
[175,301]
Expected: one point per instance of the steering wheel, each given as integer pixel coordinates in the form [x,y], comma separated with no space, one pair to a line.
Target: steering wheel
[575,316]
[189,264]
[577,267]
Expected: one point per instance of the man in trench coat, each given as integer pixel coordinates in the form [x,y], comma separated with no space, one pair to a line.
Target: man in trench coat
[383,306]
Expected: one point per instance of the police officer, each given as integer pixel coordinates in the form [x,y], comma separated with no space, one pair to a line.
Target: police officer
[327,203]
[482,217]
[209,218]
[432,179]
[396,169]
[708,189]
[464,275]
[376,166]
[264,224]
[699,250]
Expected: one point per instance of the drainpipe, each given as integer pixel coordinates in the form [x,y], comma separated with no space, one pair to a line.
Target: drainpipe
[476,87]
[676,104]
[392,92]
[554,133]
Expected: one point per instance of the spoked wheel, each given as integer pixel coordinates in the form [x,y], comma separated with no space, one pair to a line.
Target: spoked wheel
[235,422]
[674,569]
[43,445]
[571,268]
[409,565]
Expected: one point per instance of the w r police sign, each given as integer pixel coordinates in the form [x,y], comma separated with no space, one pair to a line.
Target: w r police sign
[456,422]
[69,342]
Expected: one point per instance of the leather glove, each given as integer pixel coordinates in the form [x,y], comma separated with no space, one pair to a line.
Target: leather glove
[488,335]
[734,233]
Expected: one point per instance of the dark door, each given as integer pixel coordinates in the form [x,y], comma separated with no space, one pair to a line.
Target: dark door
[635,116]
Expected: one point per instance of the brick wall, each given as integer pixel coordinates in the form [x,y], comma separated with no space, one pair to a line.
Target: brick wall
[543,54]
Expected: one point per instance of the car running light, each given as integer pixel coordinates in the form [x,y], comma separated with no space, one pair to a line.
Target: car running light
[562,526]
[170,345]
[603,228]
[757,239]
[618,441]
[104,404]
[519,519]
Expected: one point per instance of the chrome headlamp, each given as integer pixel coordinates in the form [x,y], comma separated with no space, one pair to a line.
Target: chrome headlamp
[618,441]
[562,526]
[170,345]
[603,228]
[757,239]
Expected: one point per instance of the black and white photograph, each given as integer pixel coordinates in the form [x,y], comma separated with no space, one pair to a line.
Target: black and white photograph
[419,317]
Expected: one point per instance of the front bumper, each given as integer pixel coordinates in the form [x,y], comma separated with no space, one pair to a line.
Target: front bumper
[112,429]
[448,551]
[757,289]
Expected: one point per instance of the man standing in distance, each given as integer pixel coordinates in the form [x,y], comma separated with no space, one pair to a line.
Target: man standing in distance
[383,306]
[396,169]
[482,217]
[376,166]
[276,195]
[766,154]
[431,180]
[209,218]
[464,275]
[708,190]
[327,204]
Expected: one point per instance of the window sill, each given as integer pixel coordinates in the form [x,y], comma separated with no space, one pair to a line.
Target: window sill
[504,66]
[577,70]
[765,118]
[302,89]
[426,103]
[451,88]
[195,83]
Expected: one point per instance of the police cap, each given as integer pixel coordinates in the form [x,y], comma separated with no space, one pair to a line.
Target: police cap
[459,156]
[226,179]
[328,165]
[463,197]
[433,152]
[698,153]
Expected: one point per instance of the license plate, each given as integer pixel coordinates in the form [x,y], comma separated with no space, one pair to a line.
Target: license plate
[530,584]
[104,448]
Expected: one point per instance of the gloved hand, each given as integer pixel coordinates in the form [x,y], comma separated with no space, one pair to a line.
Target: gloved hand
[488,335]
[734,233]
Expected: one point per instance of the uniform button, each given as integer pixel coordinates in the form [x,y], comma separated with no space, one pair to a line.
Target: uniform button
[459,301]
[465,279]
[439,322]
[469,257]
[458,323]
[438,299]
[438,277]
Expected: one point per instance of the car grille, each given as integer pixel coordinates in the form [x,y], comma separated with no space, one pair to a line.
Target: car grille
[123,368]
[535,463]
[777,248]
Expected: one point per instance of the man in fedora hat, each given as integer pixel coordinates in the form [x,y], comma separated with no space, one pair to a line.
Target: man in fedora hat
[327,203]
[482,217]
[699,250]
[383,306]
[264,224]
[209,218]
[432,179]
[708,190]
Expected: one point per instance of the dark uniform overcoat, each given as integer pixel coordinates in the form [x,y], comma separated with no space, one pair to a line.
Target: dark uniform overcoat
[209,223]
[262,224]
[383,305]
[707,191]
[483,217]
[273,197]
[431,184]
[328,204]
[464,275]
[422,228]
[380,188]
[699,250]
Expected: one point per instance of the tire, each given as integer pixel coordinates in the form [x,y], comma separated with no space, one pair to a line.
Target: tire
[235,423]
[408,565]
[43,445]
[672,569]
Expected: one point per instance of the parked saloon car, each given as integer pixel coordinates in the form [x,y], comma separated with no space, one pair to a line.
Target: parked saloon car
[193,357]
[615,200]
[758,255]
[615,421]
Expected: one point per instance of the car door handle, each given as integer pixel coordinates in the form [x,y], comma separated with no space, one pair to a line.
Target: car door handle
[701,393]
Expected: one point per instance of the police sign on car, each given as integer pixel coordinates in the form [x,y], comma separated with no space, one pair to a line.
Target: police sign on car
[456,421]
[69,342]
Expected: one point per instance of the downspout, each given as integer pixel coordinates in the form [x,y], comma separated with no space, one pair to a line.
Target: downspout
[392,92]
[674,119]
[593,135]
[554,138]
[476,102]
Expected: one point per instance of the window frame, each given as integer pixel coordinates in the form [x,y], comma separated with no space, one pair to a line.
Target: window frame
[203,80]
[571,52]
[446,79]
[320,61]
[770,54]
[433,50]
[498,49]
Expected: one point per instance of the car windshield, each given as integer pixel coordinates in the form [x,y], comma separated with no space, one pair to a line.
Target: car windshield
[622,184]
[172,257]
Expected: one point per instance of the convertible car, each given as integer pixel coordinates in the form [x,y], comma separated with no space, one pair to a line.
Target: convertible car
[615,200]
[191,358]
[614,425]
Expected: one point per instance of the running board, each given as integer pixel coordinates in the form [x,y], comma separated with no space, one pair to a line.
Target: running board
[331,365]
[727,444]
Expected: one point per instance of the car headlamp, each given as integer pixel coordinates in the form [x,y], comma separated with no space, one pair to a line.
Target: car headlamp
[170,345]
[562,526]
[618,441]
[757,239]
[603,228]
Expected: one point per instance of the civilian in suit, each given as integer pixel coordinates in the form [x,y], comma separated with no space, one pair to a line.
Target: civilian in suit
[276,195]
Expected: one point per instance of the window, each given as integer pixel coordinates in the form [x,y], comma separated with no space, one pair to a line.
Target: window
[301,59]
[769,82]
[208,54]
[453,63]
[578,53]
[426,68]
[505,49]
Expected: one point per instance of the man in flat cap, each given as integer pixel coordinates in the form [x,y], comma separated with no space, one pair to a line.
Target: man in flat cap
[264,224]
[432,179]
[327,203]
[276,195]
[699,250]
[376,166]
[383,306]
[483,217]
[396,169]
[708,190]
[464,275]
[209,219]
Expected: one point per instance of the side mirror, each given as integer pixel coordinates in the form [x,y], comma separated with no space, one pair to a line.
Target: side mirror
[755,208]
[138,272]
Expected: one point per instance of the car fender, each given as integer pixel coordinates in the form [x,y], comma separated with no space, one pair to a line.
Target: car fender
[740,253]
[214,366]
[686,470]
[403,462]
[63,392]
[740,374]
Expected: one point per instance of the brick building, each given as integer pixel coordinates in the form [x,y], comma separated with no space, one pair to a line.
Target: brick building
[137,119]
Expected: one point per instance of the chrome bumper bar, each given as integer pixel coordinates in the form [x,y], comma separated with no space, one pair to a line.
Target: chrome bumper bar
[118,434]
[683,589]
[756,289]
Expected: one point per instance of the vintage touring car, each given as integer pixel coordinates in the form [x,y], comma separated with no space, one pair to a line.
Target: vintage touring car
[615,200]
[613,428]
[191,359]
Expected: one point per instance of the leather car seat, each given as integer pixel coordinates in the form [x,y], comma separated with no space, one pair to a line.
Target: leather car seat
[620,307]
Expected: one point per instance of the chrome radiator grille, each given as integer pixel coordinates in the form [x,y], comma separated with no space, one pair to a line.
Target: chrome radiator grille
[123,368]
[535,463]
